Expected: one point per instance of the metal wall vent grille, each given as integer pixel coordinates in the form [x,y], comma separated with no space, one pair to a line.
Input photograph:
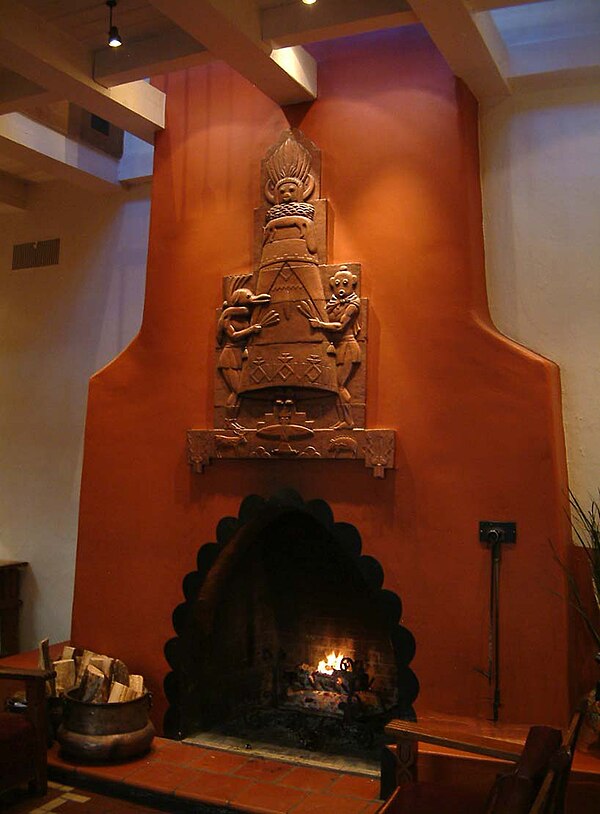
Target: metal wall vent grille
[33,255]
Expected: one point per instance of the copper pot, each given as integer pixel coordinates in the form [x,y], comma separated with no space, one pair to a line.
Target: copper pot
[103,732]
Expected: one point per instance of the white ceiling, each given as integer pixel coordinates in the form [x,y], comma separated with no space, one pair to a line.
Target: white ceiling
[56,49]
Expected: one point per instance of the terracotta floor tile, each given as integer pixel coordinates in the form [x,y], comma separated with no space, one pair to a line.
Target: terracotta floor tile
[159,777]
[264,769]
[211,787]
[159,742]
[176,753]
[108,771]
[355,786]
[267,798]
[304,777]
[319,803]
[215,760]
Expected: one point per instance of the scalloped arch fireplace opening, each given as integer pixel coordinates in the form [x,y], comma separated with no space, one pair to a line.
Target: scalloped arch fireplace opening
[283,586]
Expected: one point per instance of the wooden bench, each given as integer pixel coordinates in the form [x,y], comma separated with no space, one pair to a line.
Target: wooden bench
[536,784]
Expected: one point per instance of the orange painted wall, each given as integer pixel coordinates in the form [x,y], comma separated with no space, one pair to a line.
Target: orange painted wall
[478,419]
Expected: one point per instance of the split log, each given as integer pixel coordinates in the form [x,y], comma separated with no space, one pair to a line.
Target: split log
[136,683]
[120,673]
[65,675]
[94,686]
[67,653]
[45,663]
[119,693]
[103,663]
[82,663]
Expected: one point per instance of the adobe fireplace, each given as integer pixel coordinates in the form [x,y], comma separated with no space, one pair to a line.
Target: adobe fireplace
[286,634]
[401,172]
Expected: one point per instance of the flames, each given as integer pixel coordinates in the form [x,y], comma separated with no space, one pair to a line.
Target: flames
[331,662]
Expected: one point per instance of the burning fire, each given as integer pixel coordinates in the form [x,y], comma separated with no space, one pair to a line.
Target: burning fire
[331,662]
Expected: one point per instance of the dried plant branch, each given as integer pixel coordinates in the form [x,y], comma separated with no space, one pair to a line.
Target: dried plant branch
[586,527]
[574,598]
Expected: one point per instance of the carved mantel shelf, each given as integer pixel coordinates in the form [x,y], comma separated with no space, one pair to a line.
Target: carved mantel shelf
[374,447]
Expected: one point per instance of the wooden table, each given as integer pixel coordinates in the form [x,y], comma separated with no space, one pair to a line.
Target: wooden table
[10,603]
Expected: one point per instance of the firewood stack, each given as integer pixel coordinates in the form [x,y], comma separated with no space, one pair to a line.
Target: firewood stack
[99,679]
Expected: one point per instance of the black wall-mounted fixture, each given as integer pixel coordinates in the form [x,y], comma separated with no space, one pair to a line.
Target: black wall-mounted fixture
[114,38]
[492,531]
[494,534]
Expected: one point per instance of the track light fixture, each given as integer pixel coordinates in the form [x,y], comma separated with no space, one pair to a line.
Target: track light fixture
[114,38]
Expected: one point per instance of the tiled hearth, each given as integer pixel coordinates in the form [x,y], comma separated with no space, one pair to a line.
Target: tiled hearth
[176,776]
[180,777]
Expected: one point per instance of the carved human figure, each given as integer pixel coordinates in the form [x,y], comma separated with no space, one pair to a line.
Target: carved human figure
[290,216]
[342,309]
[234,330]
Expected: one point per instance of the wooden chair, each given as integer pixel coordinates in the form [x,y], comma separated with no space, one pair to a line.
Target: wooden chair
[536,785]
[24,737]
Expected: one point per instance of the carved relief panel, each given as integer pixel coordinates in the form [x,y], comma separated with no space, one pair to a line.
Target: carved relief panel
[290,364]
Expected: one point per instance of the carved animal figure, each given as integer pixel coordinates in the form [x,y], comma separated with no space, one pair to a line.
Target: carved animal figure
[234,330]
[230,442]
[342,444]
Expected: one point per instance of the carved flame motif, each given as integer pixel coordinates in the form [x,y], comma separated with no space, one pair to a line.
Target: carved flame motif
[290,161]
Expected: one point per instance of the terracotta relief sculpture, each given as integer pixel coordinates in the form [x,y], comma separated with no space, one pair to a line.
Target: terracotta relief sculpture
[291,335]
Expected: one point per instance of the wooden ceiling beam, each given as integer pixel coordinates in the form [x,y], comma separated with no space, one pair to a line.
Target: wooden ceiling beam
[297,24]
[173,50]
[231,30]
[41,148]
[16,90]
[465,46]
[46,56]
[490,5]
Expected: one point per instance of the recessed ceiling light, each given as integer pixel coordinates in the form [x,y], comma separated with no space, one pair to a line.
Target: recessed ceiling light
[309,2]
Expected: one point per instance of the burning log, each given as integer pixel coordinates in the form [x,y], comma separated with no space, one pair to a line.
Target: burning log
[338,686]
[335,682]
[301,677]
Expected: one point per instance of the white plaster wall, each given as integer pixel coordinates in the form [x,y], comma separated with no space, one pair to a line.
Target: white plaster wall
[541,192]
[59,324]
